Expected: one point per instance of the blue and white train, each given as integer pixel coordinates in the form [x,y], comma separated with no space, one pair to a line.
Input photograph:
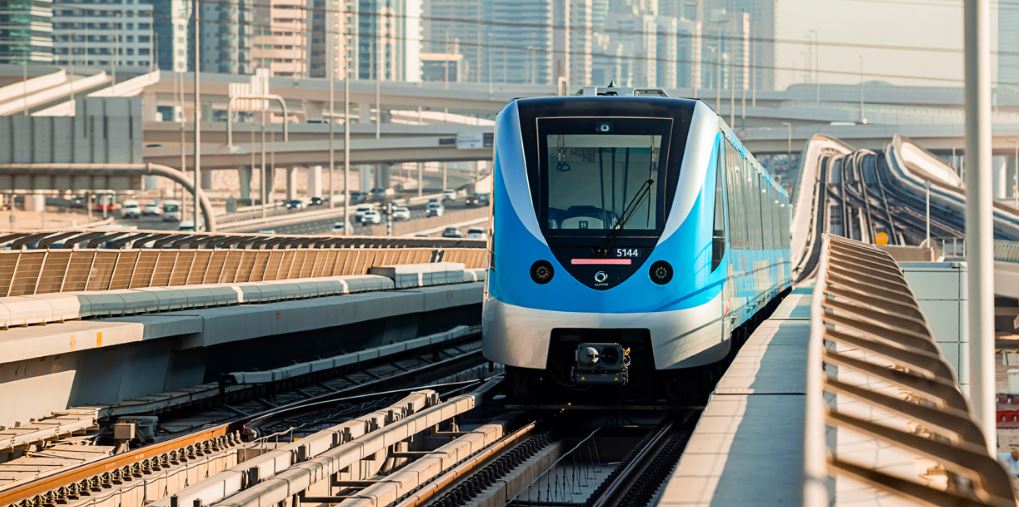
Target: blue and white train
[632,233]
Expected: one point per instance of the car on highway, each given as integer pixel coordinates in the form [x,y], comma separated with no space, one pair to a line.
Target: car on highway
[295,204]
[451,232]
[130,209]
[477,200]
[361,210]
[371,216]
[187,225]
[449,194]
[358,197]
[435,209]
[380,194]
[476,233]
[316,201]
[171,211]
[77,202]
[152,209]
[340,226]
[401,213]
[267,231]
[103,206]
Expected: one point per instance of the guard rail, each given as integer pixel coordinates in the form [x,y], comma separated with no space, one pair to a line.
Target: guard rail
[884,414]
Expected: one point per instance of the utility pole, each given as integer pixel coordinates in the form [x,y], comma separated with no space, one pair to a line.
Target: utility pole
[789,138]
[346,147]
[979,248]
[863,118]
[198,115]
[331,69]
[927,191]
[378,74]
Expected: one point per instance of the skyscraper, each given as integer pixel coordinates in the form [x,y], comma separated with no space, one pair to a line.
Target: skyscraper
[26,31]
[227,36]
[172,23]
[456,24]
[282,40]
[1008,43]
[115,33]
[389,39]
[519,35]
[581,42]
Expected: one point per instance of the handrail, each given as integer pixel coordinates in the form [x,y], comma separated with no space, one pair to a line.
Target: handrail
[870,356]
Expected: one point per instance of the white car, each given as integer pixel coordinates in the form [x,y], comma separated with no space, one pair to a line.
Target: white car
[476,233]
[152,210]
[171,211]
[371,217]
[186,226]
[435,209]
[131,209]
[340,226]
[361,210]
[449,194]
[401,213]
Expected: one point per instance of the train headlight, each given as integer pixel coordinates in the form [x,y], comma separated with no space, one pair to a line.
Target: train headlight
[541,272]
[661,272]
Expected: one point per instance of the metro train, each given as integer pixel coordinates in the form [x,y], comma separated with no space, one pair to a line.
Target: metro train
[632,234]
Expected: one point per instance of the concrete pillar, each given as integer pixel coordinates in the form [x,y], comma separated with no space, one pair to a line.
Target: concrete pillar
[35,202]
[207,179]
[291,183]
[383,174]
[366,179]
[150,182]
[315,181]
[244,176]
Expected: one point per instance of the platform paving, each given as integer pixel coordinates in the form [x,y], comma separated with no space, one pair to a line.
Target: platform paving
[747,448]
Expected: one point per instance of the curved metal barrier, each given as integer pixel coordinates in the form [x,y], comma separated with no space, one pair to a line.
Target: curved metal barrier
[884,411]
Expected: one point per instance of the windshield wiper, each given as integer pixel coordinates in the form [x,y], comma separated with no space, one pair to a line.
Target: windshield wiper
[628,211]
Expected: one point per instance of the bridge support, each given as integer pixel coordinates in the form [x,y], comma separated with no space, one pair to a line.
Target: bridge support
[244,177]
[291,183]
[365,177]
[383,175]
[315,181]
[207,179]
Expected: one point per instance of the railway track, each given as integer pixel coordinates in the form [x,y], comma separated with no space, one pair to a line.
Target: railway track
[204,439]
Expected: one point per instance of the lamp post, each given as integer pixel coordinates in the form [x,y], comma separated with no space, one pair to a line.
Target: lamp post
[198,116]
[979,226]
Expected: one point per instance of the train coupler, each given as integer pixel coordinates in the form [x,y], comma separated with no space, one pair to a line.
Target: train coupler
[601,363]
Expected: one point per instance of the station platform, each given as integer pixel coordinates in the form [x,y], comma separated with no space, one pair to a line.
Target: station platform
[750,435]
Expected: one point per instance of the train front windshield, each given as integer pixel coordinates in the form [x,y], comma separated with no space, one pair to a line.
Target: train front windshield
[601,173]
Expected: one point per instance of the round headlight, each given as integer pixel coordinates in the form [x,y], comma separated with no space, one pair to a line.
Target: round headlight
[541,272]
[661,272]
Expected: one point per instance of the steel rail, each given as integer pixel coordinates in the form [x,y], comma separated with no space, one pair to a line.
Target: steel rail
[620,485]
[48,490]
[869,324]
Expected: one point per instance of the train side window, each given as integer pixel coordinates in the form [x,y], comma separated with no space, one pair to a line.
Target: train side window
[718,229]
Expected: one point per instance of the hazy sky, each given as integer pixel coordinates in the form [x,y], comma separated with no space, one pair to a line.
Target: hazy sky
[916,24]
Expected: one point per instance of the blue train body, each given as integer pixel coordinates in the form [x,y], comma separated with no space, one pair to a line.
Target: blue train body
[631,234]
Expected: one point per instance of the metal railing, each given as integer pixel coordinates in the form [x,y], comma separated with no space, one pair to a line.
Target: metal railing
[881,398]
[27,272]
[1004,251]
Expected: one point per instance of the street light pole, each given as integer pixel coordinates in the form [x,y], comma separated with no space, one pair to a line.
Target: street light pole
[979,231]
[331,69]
[346,148]
[198,116]
[927,191]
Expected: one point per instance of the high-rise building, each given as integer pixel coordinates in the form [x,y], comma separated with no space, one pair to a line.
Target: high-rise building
[227,35]
[688,55]
[1008,42]
[282,37]
[667,51]
[172,23]
[332,35]
[530,41]
[581,42]
[103,33]
[761,34]
[456,23]
[26,31]
[389,40]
